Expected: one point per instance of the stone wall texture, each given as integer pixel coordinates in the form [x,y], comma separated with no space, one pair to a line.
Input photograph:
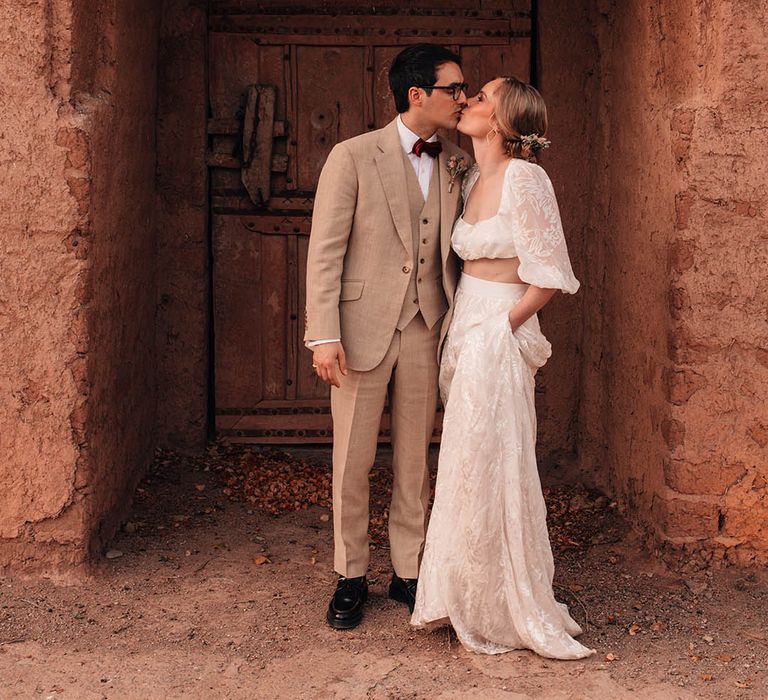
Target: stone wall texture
[77,289]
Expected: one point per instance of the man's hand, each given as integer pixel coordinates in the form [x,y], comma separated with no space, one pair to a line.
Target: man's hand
[324,359]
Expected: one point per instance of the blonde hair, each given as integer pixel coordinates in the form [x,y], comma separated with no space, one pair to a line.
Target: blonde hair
[520,111]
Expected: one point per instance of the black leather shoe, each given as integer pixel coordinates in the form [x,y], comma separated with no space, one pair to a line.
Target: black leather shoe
[345,610]
[403,590]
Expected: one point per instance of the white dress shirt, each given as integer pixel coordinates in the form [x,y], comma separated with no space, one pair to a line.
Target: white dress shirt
[422,166]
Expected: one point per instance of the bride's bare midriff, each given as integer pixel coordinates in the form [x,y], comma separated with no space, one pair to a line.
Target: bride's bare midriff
[494,270]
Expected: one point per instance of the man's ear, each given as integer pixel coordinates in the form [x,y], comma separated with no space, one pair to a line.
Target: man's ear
[415,96]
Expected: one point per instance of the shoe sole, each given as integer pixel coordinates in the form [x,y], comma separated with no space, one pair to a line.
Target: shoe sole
[348,623]
[343,624]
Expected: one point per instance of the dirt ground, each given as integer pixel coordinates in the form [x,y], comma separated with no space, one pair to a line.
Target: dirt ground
[207,594]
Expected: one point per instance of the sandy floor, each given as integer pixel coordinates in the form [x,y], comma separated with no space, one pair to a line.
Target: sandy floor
[210,597]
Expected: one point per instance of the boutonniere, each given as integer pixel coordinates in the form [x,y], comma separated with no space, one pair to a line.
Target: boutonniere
[456,166]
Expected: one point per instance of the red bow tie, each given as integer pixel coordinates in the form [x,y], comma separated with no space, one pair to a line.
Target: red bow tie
[431,148]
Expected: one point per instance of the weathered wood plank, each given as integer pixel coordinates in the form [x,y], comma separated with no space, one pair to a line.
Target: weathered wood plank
[477,8]
[225,202]
[278,162]
[384,103]
[237,275]
[257,142]
[231,127]
[292,323]
[329,114]
[362,30]
[291,87]
[271,72]
[272,224]
[273,312]
[233,66]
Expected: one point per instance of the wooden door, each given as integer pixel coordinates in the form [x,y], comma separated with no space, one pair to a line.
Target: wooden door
[286,82]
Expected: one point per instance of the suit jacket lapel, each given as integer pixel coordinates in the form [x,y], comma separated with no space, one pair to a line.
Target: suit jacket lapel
[448,202]
[390,166]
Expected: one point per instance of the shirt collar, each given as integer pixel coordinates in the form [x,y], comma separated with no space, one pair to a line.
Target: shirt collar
[407,137]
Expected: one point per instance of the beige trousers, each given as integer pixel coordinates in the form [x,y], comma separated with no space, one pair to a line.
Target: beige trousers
[408,374]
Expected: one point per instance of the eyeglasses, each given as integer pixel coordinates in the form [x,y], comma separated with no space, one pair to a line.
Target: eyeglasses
[455,88]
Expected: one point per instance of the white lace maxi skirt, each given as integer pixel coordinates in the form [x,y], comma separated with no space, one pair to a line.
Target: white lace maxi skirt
[487,567]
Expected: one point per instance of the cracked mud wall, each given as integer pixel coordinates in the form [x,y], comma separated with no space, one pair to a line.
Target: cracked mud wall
[122,92]
[674,374]
[716,472]
[41,279]
[77,289]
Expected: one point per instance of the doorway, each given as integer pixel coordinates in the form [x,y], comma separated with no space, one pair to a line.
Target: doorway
[284,86]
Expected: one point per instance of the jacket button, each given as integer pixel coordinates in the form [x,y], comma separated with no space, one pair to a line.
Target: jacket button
[425,221]
[406,269]
[415,301]
[423,240]
[422,261]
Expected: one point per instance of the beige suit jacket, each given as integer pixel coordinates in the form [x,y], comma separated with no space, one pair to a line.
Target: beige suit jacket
[361,248]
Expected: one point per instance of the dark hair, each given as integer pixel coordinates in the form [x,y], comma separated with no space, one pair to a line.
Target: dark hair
[417,65]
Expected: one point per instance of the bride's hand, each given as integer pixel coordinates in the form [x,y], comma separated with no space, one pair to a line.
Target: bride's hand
[533,301]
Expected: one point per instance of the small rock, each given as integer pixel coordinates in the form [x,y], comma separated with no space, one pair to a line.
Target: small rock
[324,518]
[114,554]
[696,587]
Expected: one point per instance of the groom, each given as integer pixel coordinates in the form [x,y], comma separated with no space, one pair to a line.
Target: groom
[380,277]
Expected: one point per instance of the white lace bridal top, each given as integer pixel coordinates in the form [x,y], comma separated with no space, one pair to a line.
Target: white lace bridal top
[526,226]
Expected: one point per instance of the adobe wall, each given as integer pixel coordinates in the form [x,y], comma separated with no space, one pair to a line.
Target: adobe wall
[716,472]
[571,97]
[632,219]
[674,377]
[42,281]
[119,72]
[76,218]
[181,228]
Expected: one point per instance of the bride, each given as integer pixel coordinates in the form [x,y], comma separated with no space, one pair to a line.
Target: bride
[487,567]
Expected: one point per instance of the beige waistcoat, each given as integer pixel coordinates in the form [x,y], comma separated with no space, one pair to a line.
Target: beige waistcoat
[425,290]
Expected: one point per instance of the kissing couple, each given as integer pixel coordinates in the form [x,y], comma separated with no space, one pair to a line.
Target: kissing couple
[425,272]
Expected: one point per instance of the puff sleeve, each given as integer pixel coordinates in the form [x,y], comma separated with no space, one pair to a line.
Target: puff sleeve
[534,219]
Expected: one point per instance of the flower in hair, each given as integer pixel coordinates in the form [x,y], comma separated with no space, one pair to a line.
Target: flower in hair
[535,142]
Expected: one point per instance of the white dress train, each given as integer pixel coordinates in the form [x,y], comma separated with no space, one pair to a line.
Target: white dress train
[487,567]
